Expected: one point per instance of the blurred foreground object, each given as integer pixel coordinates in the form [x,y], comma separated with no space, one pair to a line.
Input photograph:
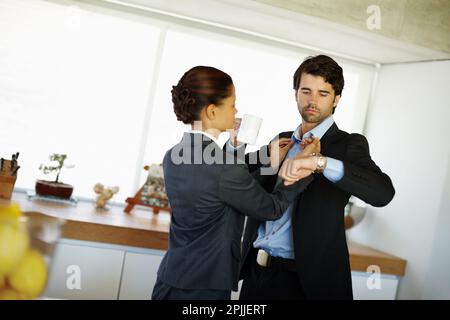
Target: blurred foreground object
[26,247]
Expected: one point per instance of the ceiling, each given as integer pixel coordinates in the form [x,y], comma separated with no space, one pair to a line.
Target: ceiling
[421,22]
[411,31]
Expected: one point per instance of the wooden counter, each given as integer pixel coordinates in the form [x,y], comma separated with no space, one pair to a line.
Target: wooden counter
[84,222]
[362,257]
[145,229]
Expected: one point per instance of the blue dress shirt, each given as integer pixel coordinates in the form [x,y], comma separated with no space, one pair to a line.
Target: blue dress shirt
[275,237]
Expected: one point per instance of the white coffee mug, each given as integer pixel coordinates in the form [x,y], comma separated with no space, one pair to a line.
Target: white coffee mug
[249,129]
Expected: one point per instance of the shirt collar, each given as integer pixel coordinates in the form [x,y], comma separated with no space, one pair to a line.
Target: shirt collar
[317,132]
[205,134]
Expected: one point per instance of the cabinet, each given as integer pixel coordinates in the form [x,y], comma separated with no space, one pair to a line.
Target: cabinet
[139,275]
[108,271]
[91,270]
[84,272]
[364,288]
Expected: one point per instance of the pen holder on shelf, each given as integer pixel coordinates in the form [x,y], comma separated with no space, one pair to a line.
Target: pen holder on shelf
[7,180]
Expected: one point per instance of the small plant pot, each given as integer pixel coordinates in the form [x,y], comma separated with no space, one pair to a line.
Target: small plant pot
[7,186]
[55,189]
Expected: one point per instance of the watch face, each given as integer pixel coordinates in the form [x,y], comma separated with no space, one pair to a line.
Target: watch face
[321,163]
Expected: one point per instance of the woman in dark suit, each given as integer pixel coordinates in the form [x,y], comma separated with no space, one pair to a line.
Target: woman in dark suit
[210,192]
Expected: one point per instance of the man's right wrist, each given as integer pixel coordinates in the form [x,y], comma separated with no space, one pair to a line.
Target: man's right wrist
[320,163]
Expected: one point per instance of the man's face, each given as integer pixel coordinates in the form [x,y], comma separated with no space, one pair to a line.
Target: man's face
[315,98]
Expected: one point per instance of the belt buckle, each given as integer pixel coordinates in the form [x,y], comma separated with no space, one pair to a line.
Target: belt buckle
[263,258]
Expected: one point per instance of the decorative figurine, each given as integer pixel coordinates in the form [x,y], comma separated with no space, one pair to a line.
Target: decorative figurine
[153,193]
[104,194]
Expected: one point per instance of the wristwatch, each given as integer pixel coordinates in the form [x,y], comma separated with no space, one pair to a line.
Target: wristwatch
[321,164]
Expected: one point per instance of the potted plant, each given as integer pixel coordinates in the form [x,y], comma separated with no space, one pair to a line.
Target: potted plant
[54,188]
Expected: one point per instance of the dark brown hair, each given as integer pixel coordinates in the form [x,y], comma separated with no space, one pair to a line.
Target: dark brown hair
[323,66]
[198,88]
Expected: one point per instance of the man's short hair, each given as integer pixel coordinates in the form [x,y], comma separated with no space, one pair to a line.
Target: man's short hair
[323,66]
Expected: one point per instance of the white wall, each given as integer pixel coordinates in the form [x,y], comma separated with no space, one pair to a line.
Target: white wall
[408,131]
[437,282]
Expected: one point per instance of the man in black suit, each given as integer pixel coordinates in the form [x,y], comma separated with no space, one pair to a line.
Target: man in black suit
[304,254]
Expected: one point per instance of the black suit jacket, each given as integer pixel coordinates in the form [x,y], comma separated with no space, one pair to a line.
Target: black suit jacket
[209,201]
[320,247]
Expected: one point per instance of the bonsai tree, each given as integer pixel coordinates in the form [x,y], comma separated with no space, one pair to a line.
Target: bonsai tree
[59,159]
[54,188]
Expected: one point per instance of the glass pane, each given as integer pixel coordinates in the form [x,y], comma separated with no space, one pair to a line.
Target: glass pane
[77,82]
[263,79]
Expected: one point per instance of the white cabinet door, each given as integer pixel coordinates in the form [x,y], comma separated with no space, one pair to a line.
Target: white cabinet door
[82,272]
[139,275]
[383,287]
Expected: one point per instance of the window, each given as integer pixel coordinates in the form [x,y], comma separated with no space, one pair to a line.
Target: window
[77,79]
[77,82]
[262,76]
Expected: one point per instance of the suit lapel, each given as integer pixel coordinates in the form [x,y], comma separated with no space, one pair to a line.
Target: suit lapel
[330,136]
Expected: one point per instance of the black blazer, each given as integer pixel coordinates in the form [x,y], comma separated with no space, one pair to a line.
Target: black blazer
[208,204]
[320,246]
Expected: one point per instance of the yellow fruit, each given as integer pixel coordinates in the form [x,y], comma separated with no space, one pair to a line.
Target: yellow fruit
[2,282]
[14,243]
[10,211]
[9,294]
[30,275]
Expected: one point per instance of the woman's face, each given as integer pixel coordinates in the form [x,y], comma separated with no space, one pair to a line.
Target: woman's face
[226,111]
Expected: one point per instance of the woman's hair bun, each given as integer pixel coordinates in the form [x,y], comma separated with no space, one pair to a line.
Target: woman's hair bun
[198,88]
[182,104]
